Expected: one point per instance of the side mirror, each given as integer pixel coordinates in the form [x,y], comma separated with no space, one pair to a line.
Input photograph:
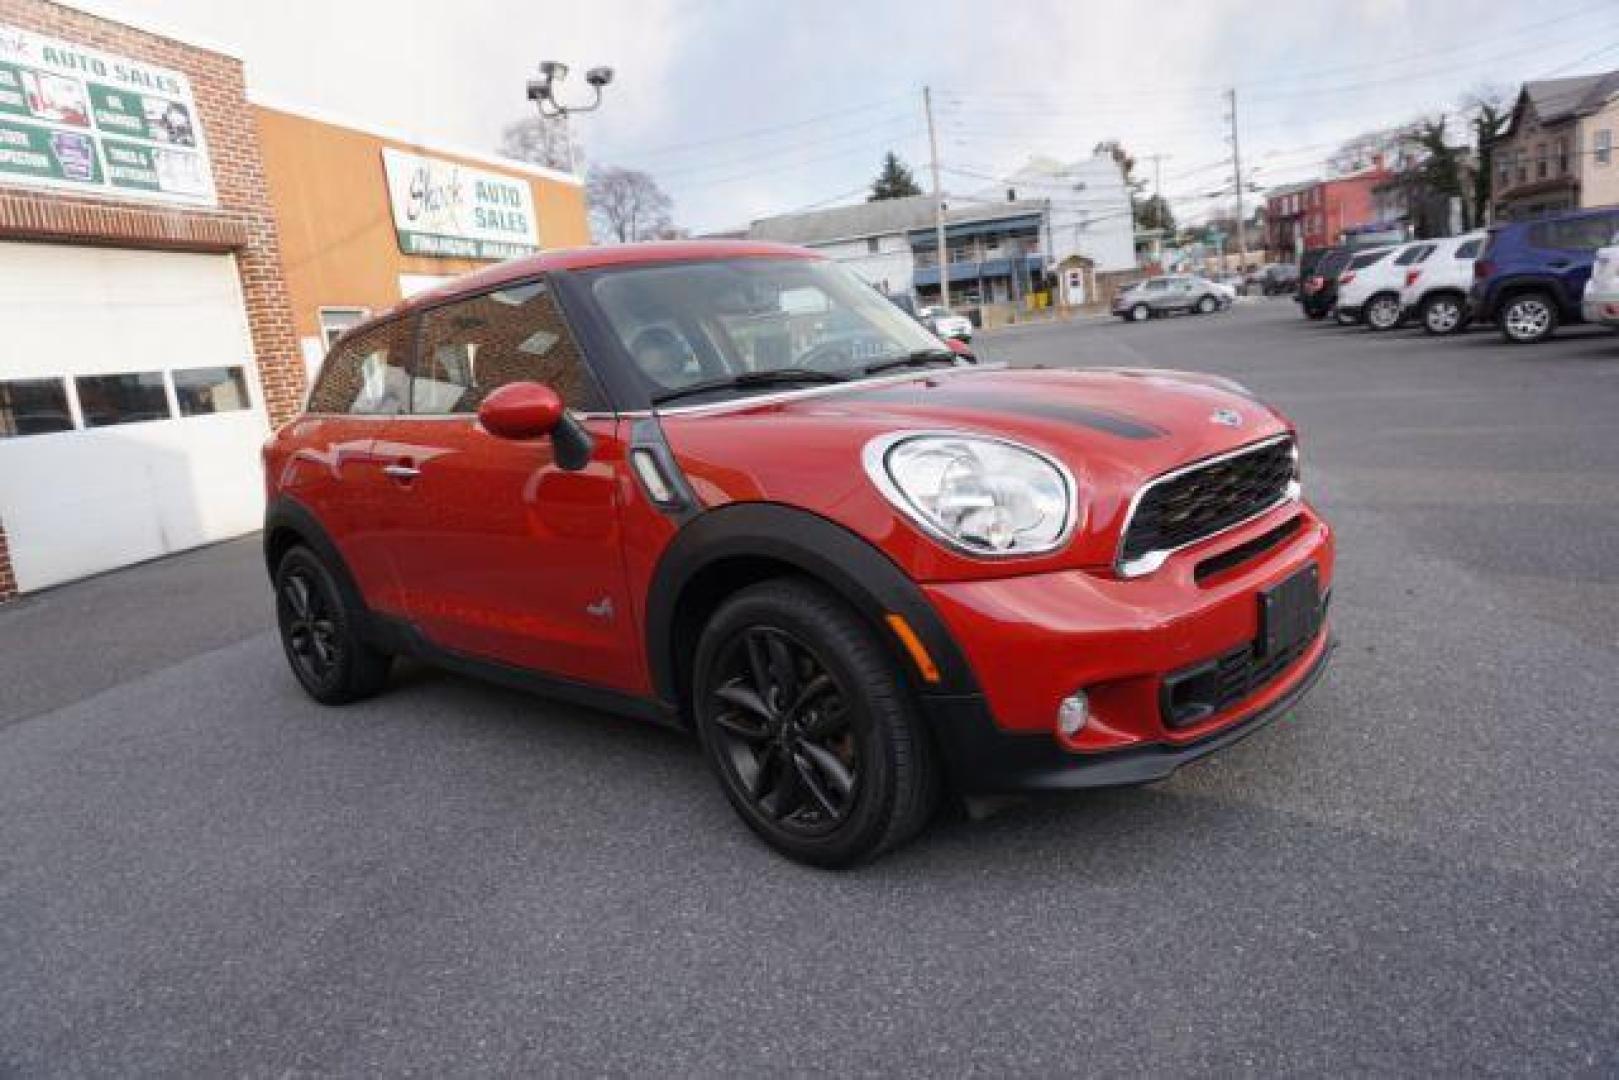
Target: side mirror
[960,349]
[525,410]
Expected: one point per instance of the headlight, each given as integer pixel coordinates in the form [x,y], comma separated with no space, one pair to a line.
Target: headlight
[981,495]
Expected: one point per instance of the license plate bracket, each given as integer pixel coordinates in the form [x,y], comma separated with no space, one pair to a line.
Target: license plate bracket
[1290,611]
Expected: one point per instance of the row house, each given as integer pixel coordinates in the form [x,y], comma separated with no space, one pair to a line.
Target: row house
[1557,151]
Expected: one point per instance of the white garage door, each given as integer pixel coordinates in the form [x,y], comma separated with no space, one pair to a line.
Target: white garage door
[130,411]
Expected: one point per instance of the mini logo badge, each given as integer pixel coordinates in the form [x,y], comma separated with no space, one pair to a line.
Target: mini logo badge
[1226,417]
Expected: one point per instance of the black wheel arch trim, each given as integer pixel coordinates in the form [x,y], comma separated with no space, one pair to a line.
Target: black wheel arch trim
[284,514]
[849,565]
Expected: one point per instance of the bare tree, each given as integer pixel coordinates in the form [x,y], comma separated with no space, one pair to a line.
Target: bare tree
[627,205]
[540,140]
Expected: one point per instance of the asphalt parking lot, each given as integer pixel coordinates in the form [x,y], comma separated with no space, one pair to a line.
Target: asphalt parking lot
[202,872]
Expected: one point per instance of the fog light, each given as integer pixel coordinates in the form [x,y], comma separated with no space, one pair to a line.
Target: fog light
[1072,713]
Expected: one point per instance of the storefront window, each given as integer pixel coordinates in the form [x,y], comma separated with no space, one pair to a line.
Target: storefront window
[33,407]
[129,398]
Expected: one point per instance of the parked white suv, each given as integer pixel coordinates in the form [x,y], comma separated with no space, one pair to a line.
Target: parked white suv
[1435,289]
[1601,300]
[1369,287]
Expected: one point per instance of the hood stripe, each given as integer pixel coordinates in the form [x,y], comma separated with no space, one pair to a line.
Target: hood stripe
[952,397]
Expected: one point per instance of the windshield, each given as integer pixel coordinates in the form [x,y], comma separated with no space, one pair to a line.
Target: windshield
[696,322]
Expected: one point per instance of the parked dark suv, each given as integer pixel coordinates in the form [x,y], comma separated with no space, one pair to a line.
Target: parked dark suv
[1531,274]
[1318,279]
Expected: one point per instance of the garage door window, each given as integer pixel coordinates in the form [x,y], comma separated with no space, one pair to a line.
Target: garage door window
[130,398]
[34,407]
[200,391]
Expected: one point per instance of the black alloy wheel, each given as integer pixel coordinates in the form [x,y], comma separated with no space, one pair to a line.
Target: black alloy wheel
[784,730]
[809,727]
[320,633]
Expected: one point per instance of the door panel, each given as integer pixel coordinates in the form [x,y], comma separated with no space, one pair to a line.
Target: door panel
[504,556]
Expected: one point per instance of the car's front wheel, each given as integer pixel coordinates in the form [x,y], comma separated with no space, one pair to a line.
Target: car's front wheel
[1528,318]
[1383,312]
[1206,305]
[1140,313]
[320,632]
[809,727]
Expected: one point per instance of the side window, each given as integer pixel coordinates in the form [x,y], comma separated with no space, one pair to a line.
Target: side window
[515,334]
[1469,250]
[1157,285]
[367,375]
[1413,255]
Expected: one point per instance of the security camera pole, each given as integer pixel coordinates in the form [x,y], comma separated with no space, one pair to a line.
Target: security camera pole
[542,91]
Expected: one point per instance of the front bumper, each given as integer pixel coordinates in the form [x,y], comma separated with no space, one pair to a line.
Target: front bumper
[1032,641]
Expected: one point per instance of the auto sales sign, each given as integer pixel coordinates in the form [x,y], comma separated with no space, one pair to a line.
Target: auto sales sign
[83,120]
[447,209]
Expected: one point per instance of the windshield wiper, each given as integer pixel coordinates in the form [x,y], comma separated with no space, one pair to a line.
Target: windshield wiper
[917,358]
[747,379]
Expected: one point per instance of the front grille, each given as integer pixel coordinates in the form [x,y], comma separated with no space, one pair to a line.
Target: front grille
[1204,499]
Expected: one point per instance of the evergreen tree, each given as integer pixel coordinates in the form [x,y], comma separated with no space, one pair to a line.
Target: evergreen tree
[894,182]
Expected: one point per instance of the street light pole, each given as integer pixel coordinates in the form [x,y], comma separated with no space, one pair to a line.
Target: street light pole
[938,203]
[542,91]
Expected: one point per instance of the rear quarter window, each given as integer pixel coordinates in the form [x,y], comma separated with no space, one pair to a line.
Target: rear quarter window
[1360,262]
[1470,249]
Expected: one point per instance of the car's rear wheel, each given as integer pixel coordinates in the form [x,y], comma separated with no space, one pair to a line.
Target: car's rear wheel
[1442,314]
[320,632]
[1140,313]
[811,730]
[1528,318]
[1206,305]
[1383,312]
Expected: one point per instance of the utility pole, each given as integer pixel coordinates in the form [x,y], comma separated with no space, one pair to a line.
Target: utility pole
[1236,165]
[1158,203]
[938,202]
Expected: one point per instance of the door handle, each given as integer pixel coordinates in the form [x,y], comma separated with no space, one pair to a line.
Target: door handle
[401,472]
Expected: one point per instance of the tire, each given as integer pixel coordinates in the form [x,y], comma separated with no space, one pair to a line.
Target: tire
[1382,312]
[320,633]
[1442,314]
[837,776]
[1206,305]
[1528,317]
[1140,313]
[1343,318]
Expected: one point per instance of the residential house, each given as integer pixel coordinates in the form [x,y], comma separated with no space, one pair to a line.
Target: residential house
[1091,217]
[996,249]
[1284,220]
[1557,150]
[1320,212]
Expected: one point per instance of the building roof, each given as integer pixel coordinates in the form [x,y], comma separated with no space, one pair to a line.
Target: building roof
[1559,99]
[885,217]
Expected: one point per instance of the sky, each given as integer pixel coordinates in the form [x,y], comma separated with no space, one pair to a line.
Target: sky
[745,108]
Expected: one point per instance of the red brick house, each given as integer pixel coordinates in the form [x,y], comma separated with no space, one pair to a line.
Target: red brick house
[1316,213]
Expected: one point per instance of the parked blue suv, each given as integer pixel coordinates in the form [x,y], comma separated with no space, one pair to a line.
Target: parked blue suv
[1531,274]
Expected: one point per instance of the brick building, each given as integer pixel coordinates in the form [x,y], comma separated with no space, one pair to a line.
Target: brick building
[149,344]
[174,261]
[1317,213]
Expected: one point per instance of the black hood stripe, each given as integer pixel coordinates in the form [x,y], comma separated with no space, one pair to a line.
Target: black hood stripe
[962,398]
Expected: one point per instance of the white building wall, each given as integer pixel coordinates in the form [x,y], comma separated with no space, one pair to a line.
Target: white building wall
[890,268]
[1090,209]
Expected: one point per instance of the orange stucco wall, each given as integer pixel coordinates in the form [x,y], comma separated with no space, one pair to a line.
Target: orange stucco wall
[330,198]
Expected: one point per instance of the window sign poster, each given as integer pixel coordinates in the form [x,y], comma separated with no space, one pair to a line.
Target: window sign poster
[83,120]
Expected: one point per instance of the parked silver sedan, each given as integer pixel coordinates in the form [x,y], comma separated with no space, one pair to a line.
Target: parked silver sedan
[1167,294]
